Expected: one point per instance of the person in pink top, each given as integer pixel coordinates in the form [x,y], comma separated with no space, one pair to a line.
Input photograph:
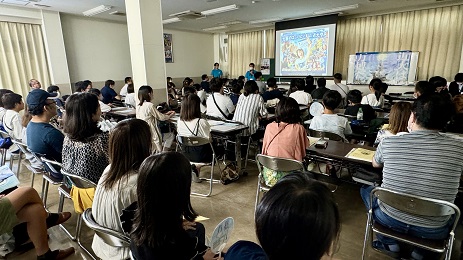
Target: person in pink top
[284,138]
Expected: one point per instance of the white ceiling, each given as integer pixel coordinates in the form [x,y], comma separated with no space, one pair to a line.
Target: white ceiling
[249,10]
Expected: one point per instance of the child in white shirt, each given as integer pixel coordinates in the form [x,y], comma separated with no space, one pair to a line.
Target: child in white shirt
[329,121]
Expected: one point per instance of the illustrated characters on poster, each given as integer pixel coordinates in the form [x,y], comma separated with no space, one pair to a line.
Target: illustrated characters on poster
[304,52]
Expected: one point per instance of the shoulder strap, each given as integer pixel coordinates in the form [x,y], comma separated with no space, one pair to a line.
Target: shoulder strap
[273,138]
[223,114]
[4,123]
[340,88]
[196,127]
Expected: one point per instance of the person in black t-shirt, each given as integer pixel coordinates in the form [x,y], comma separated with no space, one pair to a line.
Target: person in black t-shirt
[354,97]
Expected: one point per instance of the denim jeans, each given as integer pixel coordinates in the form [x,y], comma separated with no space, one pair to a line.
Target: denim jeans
[399,226]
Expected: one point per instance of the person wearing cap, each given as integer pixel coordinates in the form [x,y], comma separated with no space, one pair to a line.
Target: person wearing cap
[42,137]
[34,84]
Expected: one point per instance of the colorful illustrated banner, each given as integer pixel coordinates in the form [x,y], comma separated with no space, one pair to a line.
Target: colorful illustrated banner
[304,52]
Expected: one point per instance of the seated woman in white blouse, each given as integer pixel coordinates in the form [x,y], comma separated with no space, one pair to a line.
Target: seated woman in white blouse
[218,104]
[129,145]
[375,98]
[398,121]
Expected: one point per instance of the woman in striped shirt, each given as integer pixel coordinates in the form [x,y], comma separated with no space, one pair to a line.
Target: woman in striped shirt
[250,108]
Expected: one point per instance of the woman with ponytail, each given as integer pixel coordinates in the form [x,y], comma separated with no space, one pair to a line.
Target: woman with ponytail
[374,99]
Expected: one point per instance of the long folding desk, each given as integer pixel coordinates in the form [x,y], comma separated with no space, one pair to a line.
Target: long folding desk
[336,154]
[121,113]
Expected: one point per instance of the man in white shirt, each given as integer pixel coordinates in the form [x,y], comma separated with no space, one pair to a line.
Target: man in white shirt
[127,80]
[338,86]
[302,98]
[218,105]
[261,85]
[12,121]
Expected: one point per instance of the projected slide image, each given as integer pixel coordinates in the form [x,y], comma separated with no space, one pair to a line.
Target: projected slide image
[304,52]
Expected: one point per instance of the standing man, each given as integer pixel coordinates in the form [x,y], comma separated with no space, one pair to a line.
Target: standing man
[35,84]
[250,75]
[216,72]
[424,163]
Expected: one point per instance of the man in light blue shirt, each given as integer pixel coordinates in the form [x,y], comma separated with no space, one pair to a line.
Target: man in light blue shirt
[250,74]
[216,72]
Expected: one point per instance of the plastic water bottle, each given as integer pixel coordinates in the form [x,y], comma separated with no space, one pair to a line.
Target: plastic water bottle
[360,114]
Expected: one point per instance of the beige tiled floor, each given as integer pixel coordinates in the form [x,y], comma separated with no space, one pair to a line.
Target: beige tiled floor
[236,200]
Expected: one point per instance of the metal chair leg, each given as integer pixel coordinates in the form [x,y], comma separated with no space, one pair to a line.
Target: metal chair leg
[78,232]
[257,194]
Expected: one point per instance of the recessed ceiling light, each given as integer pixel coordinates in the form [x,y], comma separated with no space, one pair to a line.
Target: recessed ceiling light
[268,20]
[215,28]
[220,10]
[171,20]
[97,10]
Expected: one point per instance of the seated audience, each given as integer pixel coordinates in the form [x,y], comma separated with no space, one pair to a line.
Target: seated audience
[108,92]
[273,91]
[341,88]
[456,86]
[321,90]
[421,88]
[298,218]
[284,138]
[85,146]
[130,96]
[36,164]
[250,108]
[235,93]
[104,108]
[219,105]
[187,82]
[59,102]
[23,205]
[354,97]
[301,97]
[2,109]
[34,84]
[205,82]
[129,145]
[434,161]
[261,85]
[374,99]
[42,137]
[439,84]
[79,87]
[309,84]
[147,111]
[398,121]
[201,93]
[124,91]
[11,119]
[88,85]
[172,234]
[456,123]
[329,121]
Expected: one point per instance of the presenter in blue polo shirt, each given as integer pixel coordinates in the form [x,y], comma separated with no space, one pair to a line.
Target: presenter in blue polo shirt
[216,72]
[250,74]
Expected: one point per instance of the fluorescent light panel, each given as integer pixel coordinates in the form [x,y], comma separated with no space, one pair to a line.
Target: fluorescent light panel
[231,23]
[269,20]
[337,9]
[171,20]
[219,10]
[97,10]
[215,28]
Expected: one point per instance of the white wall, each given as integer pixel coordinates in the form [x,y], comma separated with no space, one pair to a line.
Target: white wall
[193,54]
[96,49]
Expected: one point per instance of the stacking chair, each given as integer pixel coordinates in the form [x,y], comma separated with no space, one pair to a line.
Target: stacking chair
[26,163]
[65,192]
[50,169]
[413,205]
[328,135]
[184,141]
[5,152]
[276,164]
[109,236]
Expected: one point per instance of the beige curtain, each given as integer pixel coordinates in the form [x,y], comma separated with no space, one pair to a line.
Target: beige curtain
[22,57]
[270,43]
[434,33]
[244,48]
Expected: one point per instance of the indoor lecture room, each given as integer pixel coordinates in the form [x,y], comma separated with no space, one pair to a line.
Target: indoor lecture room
[231,129]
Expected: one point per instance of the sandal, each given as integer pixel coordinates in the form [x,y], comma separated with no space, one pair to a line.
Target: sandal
[55,219]
[378,245]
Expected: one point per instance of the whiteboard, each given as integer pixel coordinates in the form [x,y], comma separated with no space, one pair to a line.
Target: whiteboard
[393,68]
